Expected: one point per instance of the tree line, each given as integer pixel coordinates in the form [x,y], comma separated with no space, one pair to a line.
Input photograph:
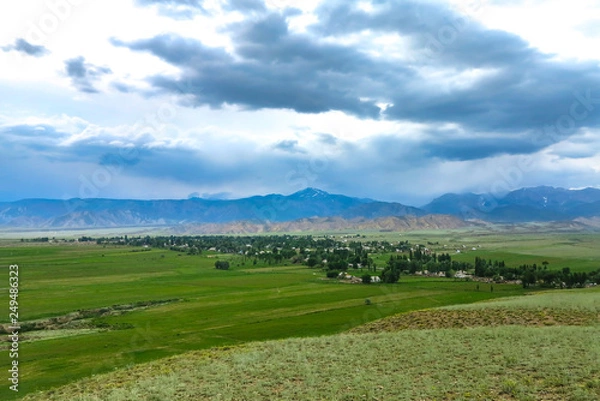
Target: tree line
[534,274]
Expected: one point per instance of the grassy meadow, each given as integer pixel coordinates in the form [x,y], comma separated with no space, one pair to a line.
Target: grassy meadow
[135,307]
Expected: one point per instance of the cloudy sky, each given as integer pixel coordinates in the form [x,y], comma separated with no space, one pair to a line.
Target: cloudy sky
[392,100]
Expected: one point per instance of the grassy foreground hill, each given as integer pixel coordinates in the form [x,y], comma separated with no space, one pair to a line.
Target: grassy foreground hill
[552,354]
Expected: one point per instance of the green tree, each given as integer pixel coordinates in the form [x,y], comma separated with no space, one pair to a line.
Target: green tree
[312,261]
[528,278]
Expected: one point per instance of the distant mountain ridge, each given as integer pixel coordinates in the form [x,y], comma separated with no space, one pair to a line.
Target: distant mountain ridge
[309,205]
[100,213]
[542,203]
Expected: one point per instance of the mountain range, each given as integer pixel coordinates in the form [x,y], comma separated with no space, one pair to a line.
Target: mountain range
[523,205]
[308,207]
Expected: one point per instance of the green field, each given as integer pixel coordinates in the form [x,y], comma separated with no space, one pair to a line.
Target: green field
[213,308]
[579,251]
[506,362]
[205,308]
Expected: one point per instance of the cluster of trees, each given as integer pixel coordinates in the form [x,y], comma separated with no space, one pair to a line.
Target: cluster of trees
[341,255]
[420,259]
[222,265]
[270,249]
[329,253]
[38,239]
[529,275]
[339,258]
[535,274]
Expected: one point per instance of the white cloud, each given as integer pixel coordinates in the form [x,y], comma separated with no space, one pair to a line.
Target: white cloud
[552,26]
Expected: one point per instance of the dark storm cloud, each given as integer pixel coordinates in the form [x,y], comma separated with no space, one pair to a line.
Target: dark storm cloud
[451,145]
[274,69]
[24,46]
[480,148]
[495,83]
[437,33]
[525,89]
[513,98]
[394,151]
[339,17]
[83,75]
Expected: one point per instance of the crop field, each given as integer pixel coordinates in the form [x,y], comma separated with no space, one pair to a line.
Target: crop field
[97,309]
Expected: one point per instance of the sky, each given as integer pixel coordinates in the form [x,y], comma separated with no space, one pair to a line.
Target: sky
[391,100]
